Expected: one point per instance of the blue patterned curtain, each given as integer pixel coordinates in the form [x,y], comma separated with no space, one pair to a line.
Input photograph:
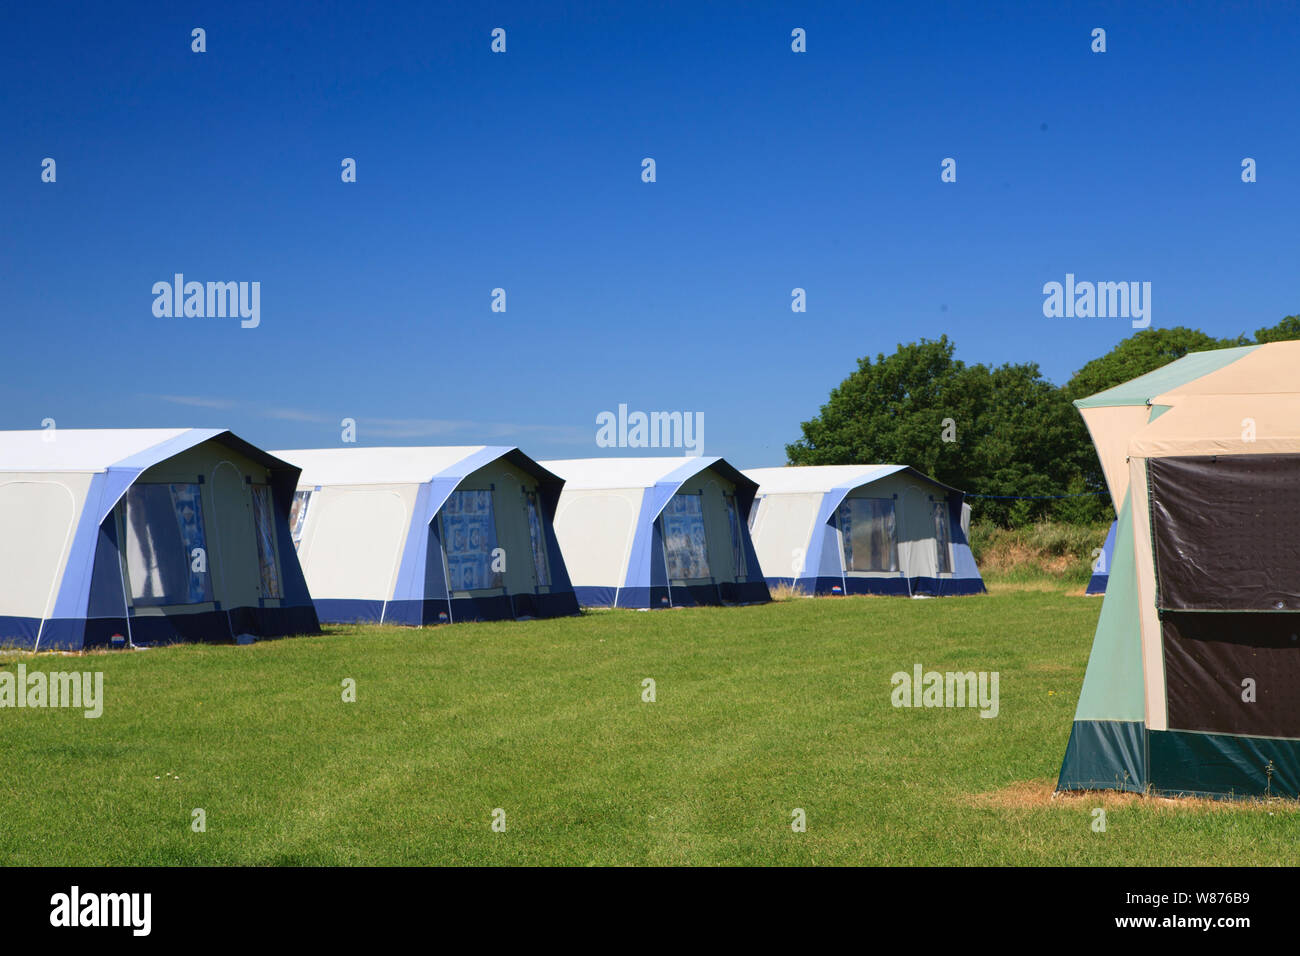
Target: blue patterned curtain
[686,549]
[470,537]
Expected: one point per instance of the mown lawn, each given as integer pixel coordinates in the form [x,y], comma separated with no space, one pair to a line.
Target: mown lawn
[759,711]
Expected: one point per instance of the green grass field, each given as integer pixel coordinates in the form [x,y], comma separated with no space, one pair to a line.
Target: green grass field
[759,711]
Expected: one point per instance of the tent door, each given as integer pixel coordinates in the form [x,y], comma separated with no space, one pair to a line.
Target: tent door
[237,567]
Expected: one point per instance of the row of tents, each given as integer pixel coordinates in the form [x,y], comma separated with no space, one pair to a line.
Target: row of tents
[1193,681]
[143,536]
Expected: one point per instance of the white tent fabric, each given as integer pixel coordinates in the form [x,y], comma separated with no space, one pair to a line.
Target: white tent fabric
[379,466]
[86,450]
[64,586]
[369,542]
[609,528]
[916,525]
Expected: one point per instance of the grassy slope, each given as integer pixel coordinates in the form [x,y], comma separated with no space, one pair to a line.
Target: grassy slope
[760,710]
[1050,552]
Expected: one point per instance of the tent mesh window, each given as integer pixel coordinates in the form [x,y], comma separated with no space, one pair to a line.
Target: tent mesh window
[165,545]
[298,516]
[264,528]
[737,542]
[537,539]
[686,551]
[867,529]
[942,538]
[470,537]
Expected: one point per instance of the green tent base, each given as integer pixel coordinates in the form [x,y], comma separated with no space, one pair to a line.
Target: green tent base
[1124,755]
[1105,755]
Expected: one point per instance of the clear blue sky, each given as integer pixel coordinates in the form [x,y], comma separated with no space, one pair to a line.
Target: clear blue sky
[523,171]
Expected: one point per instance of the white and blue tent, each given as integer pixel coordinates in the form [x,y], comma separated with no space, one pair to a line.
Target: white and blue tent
[429,535]
[140,536]
[657,532]
[862,529]
[1101,566]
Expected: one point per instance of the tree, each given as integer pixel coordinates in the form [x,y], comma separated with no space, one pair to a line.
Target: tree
[1012,432]
[890,411]
[1285,331]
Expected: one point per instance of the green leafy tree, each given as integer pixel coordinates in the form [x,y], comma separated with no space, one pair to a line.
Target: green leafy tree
[1013,433]
[1285,331]
[891,411]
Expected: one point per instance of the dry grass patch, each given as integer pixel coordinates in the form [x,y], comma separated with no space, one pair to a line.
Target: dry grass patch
[1037,794]
[784,592]
[1036,585]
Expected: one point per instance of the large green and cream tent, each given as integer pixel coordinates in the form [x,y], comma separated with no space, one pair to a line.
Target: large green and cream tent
[1193,684]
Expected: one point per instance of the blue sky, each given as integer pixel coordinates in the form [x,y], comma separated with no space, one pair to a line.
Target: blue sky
[522,170]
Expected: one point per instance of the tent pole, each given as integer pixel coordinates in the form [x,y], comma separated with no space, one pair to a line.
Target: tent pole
[839,541]
[663,551]
[126,608]
[446,573]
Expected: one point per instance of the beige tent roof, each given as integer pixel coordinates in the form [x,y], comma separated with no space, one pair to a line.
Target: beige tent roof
[1223,425]
[1225,384]
[1269,369]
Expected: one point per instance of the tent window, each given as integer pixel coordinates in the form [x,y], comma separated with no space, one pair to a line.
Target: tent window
[737,542]
[942,537]
[537,539]
[1225,531]
[264,527]
[753,512]
[685,547]
[298,516]
[469,537]
[164,529]
[867,527]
